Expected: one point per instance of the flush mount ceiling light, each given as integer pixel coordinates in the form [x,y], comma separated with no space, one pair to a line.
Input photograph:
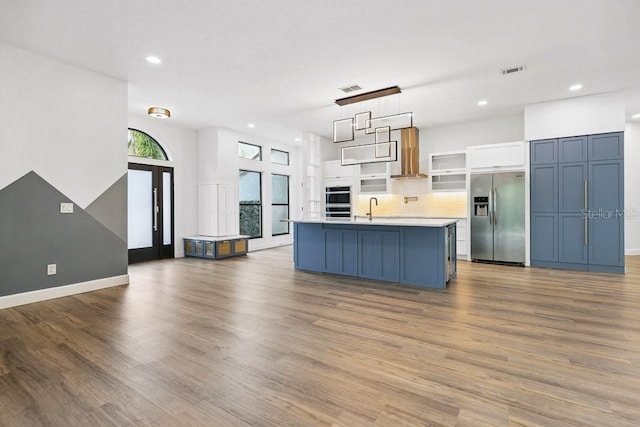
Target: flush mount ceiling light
[575,87]
[153,59]
[483,103]
[251,125]
[159,112]
[368,95]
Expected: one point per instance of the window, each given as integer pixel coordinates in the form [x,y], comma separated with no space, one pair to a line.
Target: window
[279,157]
[249,151]
[279,204]
[142,145]
[250,198]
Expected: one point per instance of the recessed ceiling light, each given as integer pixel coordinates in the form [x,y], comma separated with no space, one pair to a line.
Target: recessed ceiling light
[251,125]
[483,102]
[576,87]
[296,139]
[153,59]
[636,116]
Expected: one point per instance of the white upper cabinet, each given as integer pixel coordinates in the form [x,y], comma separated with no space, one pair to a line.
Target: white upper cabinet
[448,171]
[333,169]
[508,155]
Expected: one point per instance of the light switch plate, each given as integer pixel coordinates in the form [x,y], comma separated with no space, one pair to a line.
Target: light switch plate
[51,269]
[66,207]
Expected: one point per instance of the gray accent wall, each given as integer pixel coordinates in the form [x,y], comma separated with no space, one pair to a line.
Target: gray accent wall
[33,234]
[110,208]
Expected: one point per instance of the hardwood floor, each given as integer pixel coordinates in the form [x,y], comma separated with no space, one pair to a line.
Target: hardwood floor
[251,341]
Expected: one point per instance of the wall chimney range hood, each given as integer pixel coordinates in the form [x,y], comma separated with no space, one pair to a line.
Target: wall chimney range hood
[409,154]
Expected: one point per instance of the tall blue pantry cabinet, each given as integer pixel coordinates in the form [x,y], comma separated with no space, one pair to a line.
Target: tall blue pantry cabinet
[577,202]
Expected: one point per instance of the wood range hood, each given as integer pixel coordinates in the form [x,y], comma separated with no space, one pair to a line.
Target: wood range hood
[409,155]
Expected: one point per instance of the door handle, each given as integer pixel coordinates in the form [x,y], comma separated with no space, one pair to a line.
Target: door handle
[155,209]
[586,194]
[586,231]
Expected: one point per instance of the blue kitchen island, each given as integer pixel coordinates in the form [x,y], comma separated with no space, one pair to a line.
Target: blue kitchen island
[410,251]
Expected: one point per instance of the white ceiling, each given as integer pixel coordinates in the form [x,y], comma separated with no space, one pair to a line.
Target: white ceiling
[279,63]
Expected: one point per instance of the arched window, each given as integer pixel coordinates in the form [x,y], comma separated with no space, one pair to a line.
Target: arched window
[142,145]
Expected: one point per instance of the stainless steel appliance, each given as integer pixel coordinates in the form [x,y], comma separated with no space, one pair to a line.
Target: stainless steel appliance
[337,202]
[497,217]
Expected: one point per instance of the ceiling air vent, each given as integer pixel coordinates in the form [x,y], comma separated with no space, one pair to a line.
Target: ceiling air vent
[512,70]
[348,89]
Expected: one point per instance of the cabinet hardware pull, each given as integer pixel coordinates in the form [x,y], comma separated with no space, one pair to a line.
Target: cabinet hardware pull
[586,232]
[586,194]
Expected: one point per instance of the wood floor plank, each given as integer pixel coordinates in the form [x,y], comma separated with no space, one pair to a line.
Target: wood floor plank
[250,341]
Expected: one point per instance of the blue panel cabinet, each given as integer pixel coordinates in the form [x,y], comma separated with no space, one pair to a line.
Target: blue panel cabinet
[308,246]
[572,193]
[544,151]
[606,146]
[544,237]
[341,251]
[606,244]
[587,231]
[423,265]
[544,188]
[573,149]
[572,238]
[379,255]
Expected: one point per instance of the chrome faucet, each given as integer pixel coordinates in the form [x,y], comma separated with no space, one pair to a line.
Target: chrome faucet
[370,213]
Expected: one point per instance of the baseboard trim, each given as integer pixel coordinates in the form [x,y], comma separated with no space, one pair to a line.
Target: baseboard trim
[632,252]
[62,291]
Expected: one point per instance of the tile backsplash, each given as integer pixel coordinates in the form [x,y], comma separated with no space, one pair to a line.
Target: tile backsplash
[436,204]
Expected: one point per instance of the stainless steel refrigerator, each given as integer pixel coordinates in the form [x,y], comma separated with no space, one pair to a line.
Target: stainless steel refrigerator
[497,217]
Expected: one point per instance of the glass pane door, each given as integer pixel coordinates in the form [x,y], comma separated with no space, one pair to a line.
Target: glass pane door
[150,212]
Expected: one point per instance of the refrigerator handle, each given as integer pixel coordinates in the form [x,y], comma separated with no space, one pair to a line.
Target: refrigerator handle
[494,206]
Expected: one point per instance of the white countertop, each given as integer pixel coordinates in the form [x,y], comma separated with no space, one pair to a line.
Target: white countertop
[388,220]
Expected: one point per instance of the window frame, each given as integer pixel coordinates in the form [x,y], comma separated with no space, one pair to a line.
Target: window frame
[260,205]
[288,204]
[259,159]
[155,141]
[281,151]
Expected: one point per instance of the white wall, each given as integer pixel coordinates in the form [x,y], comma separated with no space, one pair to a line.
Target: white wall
[218,162]
[62,122]
[631,185]
[585,115]
[181,144]
[461,135]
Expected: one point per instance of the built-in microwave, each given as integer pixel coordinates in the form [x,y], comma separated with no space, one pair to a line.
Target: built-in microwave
[338,202]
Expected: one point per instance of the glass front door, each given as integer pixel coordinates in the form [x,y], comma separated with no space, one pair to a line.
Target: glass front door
[150,212]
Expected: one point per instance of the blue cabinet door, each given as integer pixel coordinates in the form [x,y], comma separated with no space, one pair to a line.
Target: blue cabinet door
[572,194]
[308,247]
[606,244]
[606,185]
[341,251]
[606,146]
[544,151]
[379,255]
[423,261]
[544,188]
[573,149]
[544,237]
[606,215]
[572,243]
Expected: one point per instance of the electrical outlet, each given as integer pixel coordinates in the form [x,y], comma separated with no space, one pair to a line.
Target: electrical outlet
[66,207]
[51,269]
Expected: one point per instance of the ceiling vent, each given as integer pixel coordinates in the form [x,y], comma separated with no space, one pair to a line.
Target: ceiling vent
[512,70]
[349,89]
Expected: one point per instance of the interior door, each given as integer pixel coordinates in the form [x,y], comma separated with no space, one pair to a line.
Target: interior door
[150,212]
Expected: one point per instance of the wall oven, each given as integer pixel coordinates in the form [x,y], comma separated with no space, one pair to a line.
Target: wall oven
[337,202]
